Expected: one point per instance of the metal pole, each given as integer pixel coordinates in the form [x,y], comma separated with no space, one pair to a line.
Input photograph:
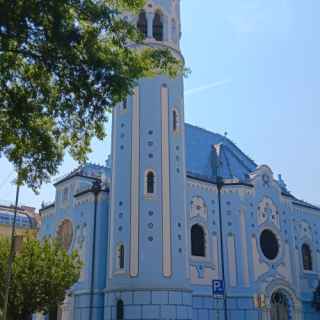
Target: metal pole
[96,188]
[11,254]
[219,186]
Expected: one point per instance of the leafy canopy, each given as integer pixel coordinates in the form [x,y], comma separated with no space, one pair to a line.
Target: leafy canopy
[42,274]
[63,65]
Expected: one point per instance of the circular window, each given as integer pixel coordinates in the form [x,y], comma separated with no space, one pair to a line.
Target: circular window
[269,244]
[65,233]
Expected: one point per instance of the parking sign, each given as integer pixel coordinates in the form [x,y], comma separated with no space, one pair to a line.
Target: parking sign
[218,287]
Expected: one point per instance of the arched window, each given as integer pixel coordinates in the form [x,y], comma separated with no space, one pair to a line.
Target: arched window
[120,310]
[150,183]
[120,252]
[175,124]
[142,24]
[307,257]
[158,26]
[280,307]
[198,241]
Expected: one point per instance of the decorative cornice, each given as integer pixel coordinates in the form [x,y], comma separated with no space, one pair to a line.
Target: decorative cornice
[52,205]
[75,175]
[84,192]
[306,205]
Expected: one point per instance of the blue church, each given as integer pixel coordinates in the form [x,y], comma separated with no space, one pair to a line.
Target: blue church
[180,223]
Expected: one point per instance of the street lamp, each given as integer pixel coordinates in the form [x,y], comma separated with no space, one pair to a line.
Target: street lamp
[220,184]
[95,189]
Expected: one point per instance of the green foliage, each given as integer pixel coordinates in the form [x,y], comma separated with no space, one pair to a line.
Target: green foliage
[42,274]
[63,65]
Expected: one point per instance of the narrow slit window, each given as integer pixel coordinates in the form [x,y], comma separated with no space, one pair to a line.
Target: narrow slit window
[125,105]
[143,24]
[198,241]
[120,310]
[307,258]
[150,182]
[121,257]
[158,26]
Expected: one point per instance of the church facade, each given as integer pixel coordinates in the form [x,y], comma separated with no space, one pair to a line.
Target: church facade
[180,223]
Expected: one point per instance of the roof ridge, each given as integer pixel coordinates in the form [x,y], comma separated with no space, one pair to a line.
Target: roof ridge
[241,161]
[226,139]
[203,129]
[303,202]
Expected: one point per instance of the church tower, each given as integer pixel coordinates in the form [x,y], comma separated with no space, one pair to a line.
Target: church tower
[148,266]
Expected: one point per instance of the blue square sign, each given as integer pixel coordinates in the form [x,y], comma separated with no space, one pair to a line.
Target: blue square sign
[218,287]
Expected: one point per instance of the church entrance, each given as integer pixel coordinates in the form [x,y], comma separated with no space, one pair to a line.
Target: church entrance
[280,306]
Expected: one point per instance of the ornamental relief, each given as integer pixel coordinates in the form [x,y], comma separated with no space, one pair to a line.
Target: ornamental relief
[304,230]
[267,212]
[198,208]
[65,233]
[80,244]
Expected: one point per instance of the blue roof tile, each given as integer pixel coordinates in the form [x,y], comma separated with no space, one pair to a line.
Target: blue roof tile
[209,155]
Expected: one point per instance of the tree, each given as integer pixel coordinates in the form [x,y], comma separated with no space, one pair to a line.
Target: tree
[42,275]
[63,65]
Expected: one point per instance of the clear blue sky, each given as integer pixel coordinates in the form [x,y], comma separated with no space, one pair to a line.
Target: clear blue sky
[256,75]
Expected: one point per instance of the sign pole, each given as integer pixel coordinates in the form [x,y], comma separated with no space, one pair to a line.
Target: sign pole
[219,186]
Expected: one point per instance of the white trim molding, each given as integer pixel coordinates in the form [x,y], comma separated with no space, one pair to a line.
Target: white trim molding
[166,214]
[135,186]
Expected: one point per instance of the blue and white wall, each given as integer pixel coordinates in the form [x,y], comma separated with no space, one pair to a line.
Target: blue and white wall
[75,203]
[248,210]
[163,182]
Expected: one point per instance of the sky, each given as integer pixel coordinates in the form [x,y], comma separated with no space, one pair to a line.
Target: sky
[255,74]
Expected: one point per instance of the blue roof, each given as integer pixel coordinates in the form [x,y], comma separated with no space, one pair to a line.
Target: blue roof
[88,170]
[209,155]
[22,221]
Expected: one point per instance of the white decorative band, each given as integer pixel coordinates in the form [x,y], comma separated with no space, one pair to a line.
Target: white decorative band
[135,187]
[167,267]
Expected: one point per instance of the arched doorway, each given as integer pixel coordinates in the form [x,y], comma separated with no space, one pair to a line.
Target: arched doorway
[280,306]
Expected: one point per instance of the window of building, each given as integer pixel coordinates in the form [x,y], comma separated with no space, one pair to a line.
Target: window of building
[158,26]
[150,183]
[269,244]
[120,310]
[143,23]
[120,257]
[175,120]
[198,241]
[125,105]
[306,257]
[280,308]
